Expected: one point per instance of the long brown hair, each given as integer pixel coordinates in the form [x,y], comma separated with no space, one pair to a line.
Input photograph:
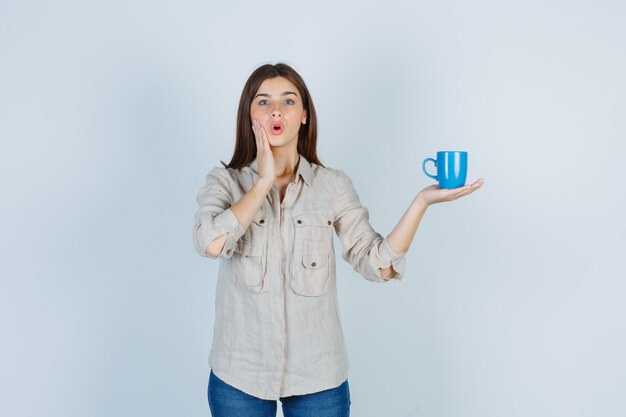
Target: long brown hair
[245,144]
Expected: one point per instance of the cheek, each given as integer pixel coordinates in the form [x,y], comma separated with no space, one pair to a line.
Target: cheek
[294,114]
[258,113]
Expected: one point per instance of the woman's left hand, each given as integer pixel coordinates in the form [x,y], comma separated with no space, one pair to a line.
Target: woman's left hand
[434,194]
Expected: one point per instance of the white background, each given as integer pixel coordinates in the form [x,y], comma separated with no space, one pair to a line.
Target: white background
[112,113]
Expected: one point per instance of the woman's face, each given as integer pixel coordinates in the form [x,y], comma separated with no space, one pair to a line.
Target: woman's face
[277,106]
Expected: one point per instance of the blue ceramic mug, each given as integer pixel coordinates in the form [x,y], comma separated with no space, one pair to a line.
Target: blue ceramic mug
[451,168]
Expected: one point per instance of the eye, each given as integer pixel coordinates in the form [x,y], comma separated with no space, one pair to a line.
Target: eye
[289,101]
[263,102]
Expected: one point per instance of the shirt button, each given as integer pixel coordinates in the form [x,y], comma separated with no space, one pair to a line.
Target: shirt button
[299,221]
[329,222]
[313,264]
[228,252]
[263,221]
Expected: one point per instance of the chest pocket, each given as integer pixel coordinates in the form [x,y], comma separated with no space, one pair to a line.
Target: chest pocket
[257,229]
[313,246]
[313,226]
[249,260]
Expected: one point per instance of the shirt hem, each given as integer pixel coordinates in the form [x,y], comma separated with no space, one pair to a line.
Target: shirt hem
[289,393]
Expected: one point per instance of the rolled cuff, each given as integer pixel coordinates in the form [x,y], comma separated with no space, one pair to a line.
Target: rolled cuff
[209,228]
[388,258]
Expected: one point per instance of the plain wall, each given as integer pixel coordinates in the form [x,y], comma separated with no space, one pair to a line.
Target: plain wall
[112,113]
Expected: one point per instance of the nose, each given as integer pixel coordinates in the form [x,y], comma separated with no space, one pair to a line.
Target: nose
[277,113]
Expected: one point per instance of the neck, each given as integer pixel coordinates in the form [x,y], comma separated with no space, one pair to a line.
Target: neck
[286,163]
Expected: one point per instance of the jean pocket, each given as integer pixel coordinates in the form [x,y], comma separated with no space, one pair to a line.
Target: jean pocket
[311,269]
[248,264]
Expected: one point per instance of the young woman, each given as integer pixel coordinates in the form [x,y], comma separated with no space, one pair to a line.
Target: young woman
[269,217]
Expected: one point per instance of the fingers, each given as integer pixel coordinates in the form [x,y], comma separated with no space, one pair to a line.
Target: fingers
[262,142]
[468,189]
[259,145]
[263,150]
[255,130]
[478,183]
[266,141]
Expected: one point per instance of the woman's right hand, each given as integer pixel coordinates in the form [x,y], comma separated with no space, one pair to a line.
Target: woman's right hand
[264,155]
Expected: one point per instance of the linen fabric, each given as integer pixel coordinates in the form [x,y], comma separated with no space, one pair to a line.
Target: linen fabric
[277,329]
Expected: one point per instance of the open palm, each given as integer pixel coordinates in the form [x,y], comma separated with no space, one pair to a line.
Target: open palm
[434,194]
[265,157]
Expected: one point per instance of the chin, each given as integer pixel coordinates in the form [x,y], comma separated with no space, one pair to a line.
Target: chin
[280,140]
[277,139]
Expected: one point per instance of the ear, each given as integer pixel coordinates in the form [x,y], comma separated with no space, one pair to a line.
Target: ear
[304,118]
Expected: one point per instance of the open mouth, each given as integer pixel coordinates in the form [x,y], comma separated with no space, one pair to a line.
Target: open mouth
[277,128]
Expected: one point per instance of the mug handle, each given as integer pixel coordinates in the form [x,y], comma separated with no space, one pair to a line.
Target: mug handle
[424,167]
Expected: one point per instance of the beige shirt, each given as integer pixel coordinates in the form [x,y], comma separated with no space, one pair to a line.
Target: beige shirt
[277,329]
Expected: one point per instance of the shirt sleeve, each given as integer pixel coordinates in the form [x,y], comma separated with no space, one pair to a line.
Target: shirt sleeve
[214,216]
[365,249]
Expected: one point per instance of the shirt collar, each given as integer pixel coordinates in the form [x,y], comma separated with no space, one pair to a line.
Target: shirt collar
[304,169]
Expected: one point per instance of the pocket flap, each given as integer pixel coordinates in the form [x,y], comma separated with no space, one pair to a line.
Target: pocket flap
[317,218]
[246,248]
[260,218]
[314,261]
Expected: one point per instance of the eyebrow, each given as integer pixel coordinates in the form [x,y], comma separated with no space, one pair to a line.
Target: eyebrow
[282,94]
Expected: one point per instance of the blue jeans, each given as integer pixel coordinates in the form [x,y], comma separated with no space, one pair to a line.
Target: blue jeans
[227,401]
